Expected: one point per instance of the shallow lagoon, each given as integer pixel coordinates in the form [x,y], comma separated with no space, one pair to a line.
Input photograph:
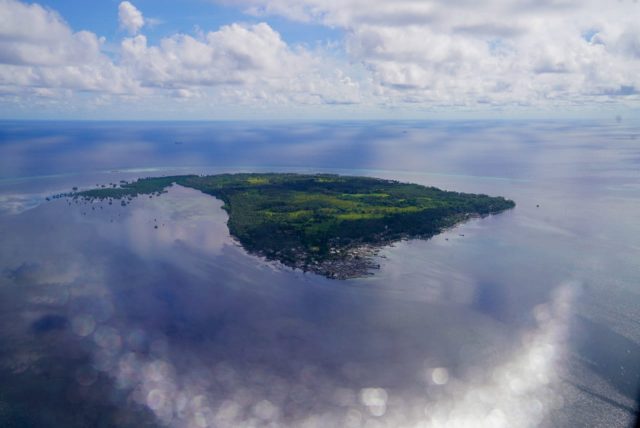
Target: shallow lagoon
[528,318]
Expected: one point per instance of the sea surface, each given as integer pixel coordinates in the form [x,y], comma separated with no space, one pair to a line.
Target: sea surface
[524,319]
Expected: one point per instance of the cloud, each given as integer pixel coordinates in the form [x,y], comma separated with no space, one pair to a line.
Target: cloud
[236,54]
[130,17]
[411,54]
[32,35]
[461,53]
[40,54]
[42,58]
[244,63]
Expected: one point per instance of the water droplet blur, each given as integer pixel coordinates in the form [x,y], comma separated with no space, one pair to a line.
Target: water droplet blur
[83,325]
[156,399]
[86,375]
[375,399]
[440,376]
[265,410]
[108,338]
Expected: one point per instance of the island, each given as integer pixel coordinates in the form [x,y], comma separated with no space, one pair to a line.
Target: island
[328,224]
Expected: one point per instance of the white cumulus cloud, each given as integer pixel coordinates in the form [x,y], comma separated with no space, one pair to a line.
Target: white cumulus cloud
[239,64]
[130,17]
[496,52]
[391,55]
[246,62]
[40,54]
[33,35]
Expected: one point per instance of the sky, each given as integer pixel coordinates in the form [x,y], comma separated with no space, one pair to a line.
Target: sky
[319,59]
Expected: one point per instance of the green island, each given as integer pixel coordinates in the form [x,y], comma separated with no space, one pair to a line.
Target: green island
[328,224]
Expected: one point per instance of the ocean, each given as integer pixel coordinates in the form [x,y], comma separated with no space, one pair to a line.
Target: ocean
[523,319]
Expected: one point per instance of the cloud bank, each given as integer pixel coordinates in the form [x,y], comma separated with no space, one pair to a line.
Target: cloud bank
[495,52]
[402,54]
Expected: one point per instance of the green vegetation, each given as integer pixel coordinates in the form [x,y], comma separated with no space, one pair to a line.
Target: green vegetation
[322,222]
[144,186]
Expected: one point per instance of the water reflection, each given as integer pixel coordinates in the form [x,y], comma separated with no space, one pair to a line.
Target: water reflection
[151,314]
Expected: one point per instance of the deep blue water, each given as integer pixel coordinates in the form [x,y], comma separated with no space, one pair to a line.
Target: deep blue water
[528,318]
